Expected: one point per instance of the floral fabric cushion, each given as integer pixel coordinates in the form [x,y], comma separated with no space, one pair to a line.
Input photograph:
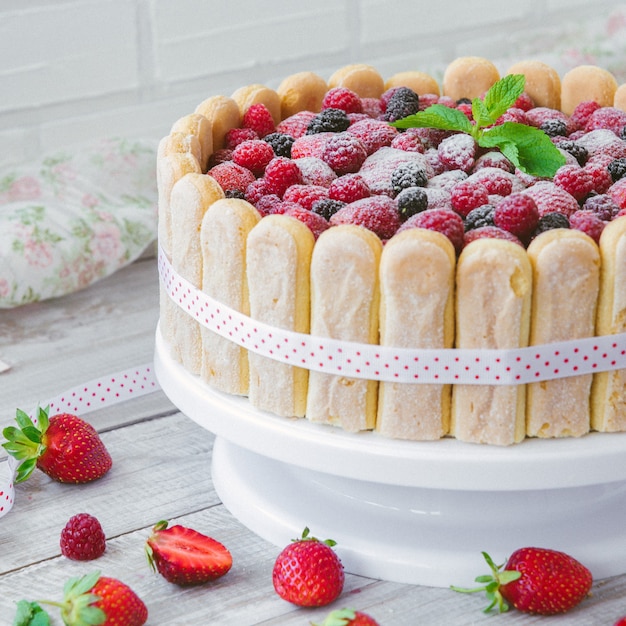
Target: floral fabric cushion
[75,217]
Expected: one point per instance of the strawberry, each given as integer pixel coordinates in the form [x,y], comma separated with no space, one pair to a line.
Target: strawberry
[348,617]
[64,446]
[621,621]
[184,556]
[91,599]
[535,580]
[308,572]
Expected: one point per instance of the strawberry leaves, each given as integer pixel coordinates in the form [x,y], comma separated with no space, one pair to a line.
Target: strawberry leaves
[24,442]
[528,148]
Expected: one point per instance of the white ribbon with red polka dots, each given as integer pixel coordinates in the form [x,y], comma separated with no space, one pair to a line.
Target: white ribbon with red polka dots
[386,363]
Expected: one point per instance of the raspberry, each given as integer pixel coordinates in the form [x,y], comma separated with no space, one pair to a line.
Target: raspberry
[372,107]
[447,101]
[254,155]
[310,146]
[259,118]
[512,115]
[466,108]
[328,121]
[255,190]
[576,150]
[479,217]
[305,195]
[548,221]
[82,539]
[268,204]
[551,198]
[575,180]
[457,152]
[230,176]
[344,153]
[466,196]
[296,124]
[220,156]
[600,176]
[493,159]
[411,200]
[349,188]
[409,140]
[235,136]
[431,137]
[524,102]
[438,198]
[280,174]
[373,134]
[428,99]
[537,116]
[343,99]
[315,172]
[617,169]
[316,223]
[582,112]
[602,205]
[327,207]
[617,191]
[490,232]
[402,103]
[603,142]
[377,213]
[517,214]
[495,180]
[281,143]
[589,223]
[610,118]
[443,221]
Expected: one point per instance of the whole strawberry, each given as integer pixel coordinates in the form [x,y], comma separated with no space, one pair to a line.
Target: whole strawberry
[184,556]
[308,572]
[64,446]
[535,580]
[348,617]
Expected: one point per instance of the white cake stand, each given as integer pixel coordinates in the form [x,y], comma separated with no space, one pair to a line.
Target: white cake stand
[410,512]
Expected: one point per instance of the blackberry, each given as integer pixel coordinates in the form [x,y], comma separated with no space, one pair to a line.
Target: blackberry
[579,152]
[550,221]
[554,128]
[617,168]
[622,134]
[328,121]
[327,207]
[479,217]
[409,174]
[235,193]
[403,102]
[463,101]
[281,143]
[411,200]
[602,205]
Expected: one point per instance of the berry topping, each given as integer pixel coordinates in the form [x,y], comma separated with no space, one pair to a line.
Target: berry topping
[410,140]
[220,156]
[602,205]
[328,121]
[305,195]
[268,204]
[490,232]
[373,134]
[517,214]
[581,114]
[554,127]
[327,207]
[610,118]
[457,152]
[296,124]
[494,179]
[280,174]
[550,198]
[315,171]
[259,119]
[349,188]
[411,200]
[468,195]
[310,146]
[443,221]
[314,220]
[343,99]
[589,222]
[235,136]
[408,174]
[344,153]
[479,217]
[254,155]
[575,180]
[281,143]
[378,168]
[402,103]
[82,538]
[617,169]
[549,221]
[231,176]
[376,213]
[254,190]
[579,152]
[617,191]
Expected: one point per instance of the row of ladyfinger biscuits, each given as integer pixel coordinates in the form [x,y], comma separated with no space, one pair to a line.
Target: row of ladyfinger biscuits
[407,411]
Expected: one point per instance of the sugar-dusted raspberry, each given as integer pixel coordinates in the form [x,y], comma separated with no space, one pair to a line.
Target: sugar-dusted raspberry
[518,214]
[617,191]
[447,101]
[376,213]
[315,171]
[554,127]
[372,107]
[539,115]
[402,103]
[603,142]
[512,115]
[432,157]
[551,198]
[310,145]
[609,118]
[428,99]
[617,168]
[357,117]
[259,118]
[548,221]
[443,221]
[576,150]
[82,538]
[600,175]
[409,140]
[602,205]
[582,112]
[411,200]
[466,196]
[374,134]
[268,204]
[465,108]
[344,152]
[490,232]
[328,121]
[589,223]
[255,190]
[457,152]
[342,98]
[281,143]
[316,223]
[408,174]
[493,159]
[575,180]
[254,155]
[349,188]
[235,136]
[327,207]
[378,168]
[305,195]
[280,174]
[296,124]
[496,180]
[524,102]
[438,198]
[229,175]
[220,156]
[479,217]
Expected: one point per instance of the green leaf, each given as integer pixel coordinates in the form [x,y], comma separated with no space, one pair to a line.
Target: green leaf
[25,470]
[481,114]
[437,116]
[23,419]
[43,419]
[503,94]
[30,614]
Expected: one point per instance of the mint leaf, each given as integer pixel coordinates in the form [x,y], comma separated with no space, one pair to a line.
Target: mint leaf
[481,114]
[527,147]
[503,95]
[436,116]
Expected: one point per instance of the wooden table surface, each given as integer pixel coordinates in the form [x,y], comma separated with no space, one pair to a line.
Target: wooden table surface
[162,470]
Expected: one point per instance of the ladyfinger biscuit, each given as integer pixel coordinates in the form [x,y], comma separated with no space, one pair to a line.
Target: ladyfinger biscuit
[608,390]
[198,125]
[344,305]
[543,83]
[619,100]
[191,197]
[494,287]
[225,228]
[360,78]
[587,82]
[469,77]
[303,91]
[420,82]
[176,143]
[223,113]
[278,252]
[245,97]
[566,276]
[417,270]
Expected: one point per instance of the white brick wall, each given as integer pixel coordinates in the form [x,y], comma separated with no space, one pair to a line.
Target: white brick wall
[76,70]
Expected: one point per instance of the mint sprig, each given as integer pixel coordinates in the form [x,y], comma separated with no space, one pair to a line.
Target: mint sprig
[527,147]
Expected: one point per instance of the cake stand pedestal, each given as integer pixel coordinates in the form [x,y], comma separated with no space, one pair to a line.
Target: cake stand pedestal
[409,512]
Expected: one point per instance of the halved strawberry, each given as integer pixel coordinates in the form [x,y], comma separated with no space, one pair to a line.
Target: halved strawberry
[184,556]
[64,446]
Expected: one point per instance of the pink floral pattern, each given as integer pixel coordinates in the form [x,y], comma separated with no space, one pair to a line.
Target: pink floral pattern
[74,218]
